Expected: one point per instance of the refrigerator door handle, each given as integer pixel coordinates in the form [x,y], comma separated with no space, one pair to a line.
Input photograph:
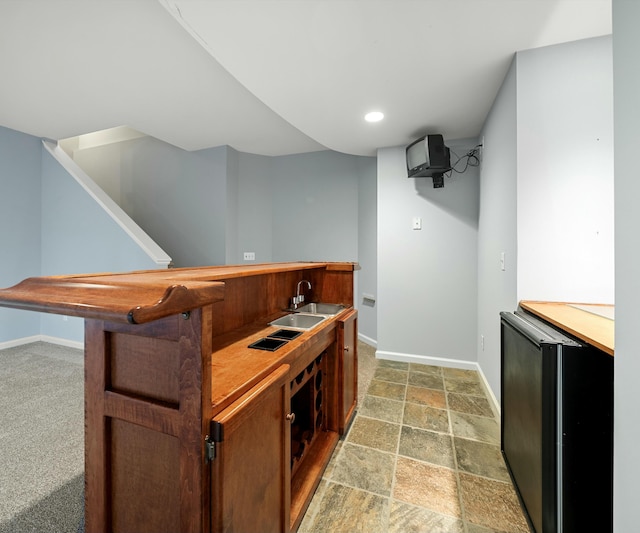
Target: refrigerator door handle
[525,327]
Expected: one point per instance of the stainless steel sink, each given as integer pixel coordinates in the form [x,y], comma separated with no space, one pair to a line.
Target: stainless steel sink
[301,321]
[320,308]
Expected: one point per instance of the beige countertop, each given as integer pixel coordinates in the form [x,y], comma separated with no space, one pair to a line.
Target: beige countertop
[592,323]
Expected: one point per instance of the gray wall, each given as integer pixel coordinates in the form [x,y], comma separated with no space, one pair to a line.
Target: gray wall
[19,224]
[179,198]
[427,278]
[366,277]
[300,207]
[51,226]
[547,183]
[497,227]
[211,206]
[231,206]
[311,207]
[315,207]
[565,172]
[254,218]
[626,74]
[208,207]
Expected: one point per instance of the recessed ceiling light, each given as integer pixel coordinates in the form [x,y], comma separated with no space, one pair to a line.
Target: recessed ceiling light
[374,116]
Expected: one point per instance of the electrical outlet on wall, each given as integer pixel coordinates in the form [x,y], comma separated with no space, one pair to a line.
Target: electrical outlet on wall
[249,256]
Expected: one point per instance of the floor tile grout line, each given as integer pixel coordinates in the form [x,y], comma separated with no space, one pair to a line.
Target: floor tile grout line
[492,417]
[395,459]
[463,514]
[443,389]
[343,484]
[395,466]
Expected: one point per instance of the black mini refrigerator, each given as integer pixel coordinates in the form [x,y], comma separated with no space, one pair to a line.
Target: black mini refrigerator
[557,425]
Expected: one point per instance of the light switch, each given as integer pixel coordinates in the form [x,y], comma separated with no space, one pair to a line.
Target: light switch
[417,223]
[501,260]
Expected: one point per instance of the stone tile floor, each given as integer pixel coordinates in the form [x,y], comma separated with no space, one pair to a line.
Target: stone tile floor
[422,455]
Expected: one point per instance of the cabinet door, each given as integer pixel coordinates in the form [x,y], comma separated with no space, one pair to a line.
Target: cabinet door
[347,369]
[251,470]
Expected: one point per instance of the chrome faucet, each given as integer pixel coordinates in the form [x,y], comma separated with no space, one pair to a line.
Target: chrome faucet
[299,298]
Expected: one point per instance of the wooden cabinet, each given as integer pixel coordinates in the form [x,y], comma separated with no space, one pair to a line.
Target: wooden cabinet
[145,468]
[168,368]
[273,443]
[347,369]
[251,469]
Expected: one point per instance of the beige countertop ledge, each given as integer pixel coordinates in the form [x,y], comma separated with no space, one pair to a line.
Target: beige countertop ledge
[591,323]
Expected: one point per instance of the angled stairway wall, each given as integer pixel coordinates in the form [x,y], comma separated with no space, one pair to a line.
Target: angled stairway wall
[19,225]
[83,230]
[62,223]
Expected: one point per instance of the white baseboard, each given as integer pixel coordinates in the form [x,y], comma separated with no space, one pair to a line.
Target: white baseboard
[495,406]
[19,342]
[62,342]
[427,360]
[367,340]
[448,363]
[41,338]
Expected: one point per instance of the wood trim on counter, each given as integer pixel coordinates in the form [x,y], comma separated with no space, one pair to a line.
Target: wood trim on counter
[587,326]
[219,272]
[117,301]
[143,296]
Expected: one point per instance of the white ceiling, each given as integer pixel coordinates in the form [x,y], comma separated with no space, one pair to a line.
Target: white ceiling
[271,77]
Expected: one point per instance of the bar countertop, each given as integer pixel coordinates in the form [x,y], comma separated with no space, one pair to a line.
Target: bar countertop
[591,323]
[142,296]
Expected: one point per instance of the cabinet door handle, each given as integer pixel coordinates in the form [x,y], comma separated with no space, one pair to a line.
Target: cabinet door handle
[346,348]
[290,417]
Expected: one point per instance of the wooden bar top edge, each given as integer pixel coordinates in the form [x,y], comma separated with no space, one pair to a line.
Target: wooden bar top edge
[586,326]
[217,272]
[131,303]
[139,296]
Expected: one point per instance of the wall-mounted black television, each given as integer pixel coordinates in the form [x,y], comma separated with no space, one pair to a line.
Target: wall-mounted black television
[428,157]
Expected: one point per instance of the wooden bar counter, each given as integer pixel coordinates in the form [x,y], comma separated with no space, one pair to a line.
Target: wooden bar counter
[187,428]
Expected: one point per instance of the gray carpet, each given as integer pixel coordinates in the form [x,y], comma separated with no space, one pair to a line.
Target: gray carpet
[41,436]
[41,439]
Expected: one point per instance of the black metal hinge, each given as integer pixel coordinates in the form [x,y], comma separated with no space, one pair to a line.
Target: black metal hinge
[210,440]
[209,449]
